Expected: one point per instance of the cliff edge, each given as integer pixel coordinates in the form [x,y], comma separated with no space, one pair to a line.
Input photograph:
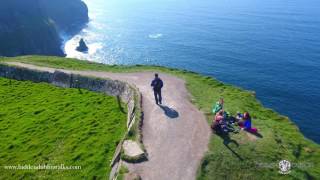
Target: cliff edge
[33,26]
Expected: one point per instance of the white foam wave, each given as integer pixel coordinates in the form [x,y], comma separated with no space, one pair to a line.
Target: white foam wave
[94,47]
[155,36]
[71,45]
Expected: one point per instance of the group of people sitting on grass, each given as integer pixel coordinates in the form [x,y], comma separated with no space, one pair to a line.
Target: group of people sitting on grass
[223,121]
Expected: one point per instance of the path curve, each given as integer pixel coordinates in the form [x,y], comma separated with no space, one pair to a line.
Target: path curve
[175,145]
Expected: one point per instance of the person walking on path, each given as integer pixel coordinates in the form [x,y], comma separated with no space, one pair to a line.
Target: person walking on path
[157,84]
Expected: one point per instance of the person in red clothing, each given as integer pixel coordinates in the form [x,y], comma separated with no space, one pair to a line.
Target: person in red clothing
[219,121]
[219,117]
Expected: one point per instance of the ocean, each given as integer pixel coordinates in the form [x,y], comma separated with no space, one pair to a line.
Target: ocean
[270,47]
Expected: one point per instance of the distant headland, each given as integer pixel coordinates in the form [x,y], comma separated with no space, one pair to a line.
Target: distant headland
[34,26]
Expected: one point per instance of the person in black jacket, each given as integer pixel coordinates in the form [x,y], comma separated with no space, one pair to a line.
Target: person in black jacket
[157,84]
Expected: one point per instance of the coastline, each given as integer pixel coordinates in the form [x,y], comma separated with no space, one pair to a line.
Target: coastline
[279,67]
[259,61]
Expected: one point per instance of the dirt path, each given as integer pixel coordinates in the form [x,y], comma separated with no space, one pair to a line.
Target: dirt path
[175,136]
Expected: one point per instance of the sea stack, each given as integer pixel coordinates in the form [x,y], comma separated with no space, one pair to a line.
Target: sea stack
[82,46]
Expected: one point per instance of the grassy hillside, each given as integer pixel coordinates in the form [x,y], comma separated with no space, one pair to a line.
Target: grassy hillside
[44,124]
[240,155]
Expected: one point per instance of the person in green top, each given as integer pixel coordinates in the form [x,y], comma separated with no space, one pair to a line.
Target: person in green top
[218,106]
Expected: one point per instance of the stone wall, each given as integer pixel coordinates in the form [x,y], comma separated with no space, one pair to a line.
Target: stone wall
[24,74]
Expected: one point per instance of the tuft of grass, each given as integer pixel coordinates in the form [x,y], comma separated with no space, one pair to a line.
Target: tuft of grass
[122,172]
[43,124]
[236,156]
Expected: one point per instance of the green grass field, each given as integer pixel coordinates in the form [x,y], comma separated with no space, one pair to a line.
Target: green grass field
[44,124]
[239,156]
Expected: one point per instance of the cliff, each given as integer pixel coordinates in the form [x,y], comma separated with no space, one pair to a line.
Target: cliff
[32,27]
[69,16]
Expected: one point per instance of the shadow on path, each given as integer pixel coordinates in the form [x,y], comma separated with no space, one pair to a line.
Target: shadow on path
[170,112]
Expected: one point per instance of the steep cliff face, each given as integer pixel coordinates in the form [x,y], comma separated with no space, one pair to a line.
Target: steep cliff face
[31,27]
[68,15]
[25,29]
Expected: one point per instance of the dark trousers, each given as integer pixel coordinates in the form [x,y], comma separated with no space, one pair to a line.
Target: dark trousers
[157,96]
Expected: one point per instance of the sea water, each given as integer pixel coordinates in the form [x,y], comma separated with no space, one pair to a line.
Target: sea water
[271,47]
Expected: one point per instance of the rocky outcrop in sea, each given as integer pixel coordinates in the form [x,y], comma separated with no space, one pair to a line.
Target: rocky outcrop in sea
[82,46]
